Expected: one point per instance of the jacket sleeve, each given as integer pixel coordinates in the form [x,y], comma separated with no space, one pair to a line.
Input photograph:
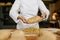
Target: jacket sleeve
[43,8]
[14,10]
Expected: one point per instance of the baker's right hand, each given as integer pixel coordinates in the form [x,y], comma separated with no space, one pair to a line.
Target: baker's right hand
[22,18]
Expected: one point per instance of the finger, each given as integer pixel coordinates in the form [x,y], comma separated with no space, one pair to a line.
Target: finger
[25,21]
[43,15]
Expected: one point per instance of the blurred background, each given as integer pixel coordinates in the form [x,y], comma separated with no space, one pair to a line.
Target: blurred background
[53,21]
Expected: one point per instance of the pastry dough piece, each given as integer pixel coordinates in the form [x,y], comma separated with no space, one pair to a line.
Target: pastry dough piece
[35,19]
[17,35]
[46,35]
[4,34]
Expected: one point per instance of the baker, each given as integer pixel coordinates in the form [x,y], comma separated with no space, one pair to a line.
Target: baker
[27,9]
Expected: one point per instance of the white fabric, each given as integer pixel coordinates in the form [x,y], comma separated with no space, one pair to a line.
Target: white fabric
[27,8]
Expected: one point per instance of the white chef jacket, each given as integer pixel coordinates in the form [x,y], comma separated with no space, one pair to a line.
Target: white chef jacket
[27,8]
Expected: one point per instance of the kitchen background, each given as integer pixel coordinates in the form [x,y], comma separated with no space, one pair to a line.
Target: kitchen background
[53,21]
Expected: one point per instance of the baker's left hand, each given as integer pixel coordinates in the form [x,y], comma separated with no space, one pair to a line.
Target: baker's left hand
[43,15]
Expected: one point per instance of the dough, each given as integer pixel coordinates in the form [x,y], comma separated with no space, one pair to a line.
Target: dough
[46,35]
[4,34]
[17,35]
[34,19]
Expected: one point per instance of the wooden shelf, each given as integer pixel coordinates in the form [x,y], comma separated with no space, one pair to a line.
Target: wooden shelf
[5,4]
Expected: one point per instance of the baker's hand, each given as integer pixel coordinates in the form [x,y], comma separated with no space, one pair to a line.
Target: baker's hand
[22,18]
[43,15]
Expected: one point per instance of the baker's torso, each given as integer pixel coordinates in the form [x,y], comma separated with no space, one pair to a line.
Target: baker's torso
[29,8]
